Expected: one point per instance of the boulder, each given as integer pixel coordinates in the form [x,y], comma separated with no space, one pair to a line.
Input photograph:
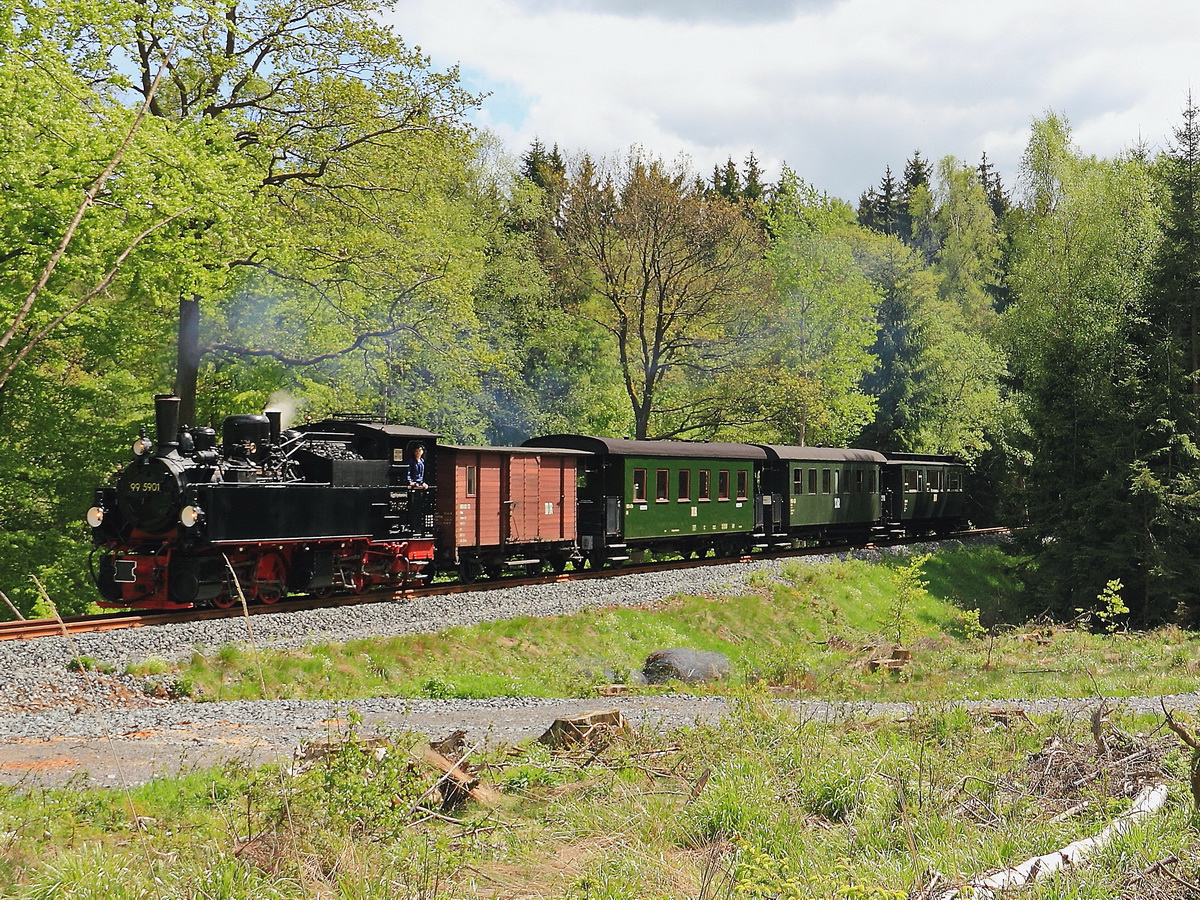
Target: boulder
[682,664]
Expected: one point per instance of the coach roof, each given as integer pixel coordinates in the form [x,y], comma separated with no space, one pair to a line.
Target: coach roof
[623,447]
[822,454]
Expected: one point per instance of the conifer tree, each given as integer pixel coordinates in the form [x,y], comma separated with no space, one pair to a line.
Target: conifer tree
[993,186]
[753,188]
[1165,390]
[917,175]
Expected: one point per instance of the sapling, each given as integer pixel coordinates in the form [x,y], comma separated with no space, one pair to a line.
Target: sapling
[910,587]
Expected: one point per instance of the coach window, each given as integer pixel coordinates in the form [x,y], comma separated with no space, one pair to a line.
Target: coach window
[826,481]
[743,484]
[812,481]
[935,479]
[837,479]
[955,481]
[685,485]
[723,484]
[639,485]
[704,489]
[859,480]
[662,486]
[871,481]
[910,480]
[797,481]
[470,481]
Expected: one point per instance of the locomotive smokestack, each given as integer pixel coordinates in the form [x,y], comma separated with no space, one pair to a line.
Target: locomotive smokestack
[166,422]
[276,419]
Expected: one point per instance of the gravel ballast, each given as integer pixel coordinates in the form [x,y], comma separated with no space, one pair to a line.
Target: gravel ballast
[37,673]
[55,722]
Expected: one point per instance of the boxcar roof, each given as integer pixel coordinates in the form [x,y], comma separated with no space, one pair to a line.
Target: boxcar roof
[832,454]
[625,447]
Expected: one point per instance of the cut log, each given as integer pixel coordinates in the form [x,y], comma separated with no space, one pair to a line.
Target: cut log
[465,781]
[593,729]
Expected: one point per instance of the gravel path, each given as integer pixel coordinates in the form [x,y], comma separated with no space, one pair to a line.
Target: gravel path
[56,724]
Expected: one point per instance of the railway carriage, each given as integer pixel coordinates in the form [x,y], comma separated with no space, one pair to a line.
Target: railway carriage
[924,493]
[668,496]
[501,508]
[822,493]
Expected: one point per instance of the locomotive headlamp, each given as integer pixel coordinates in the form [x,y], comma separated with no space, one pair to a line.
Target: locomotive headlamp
[141,446]
[190,515]
[95,516]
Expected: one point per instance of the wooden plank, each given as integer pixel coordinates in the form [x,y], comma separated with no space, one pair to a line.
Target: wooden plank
[489,502]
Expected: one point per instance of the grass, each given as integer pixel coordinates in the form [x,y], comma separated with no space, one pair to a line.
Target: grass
[761,805]
[809,633]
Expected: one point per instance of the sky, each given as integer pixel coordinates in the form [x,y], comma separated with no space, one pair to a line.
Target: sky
[836,89]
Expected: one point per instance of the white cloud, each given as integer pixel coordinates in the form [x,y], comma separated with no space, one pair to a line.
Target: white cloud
[836,88]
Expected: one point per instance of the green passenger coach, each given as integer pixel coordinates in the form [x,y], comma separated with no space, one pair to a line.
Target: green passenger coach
[923,493]
[670,496]
[823,493]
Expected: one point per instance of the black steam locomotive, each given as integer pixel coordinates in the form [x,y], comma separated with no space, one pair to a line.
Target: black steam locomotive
[266,511]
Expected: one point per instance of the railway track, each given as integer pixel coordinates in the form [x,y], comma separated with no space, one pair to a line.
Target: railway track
[31,629]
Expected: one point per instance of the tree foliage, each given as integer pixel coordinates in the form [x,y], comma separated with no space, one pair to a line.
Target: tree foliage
[669,273]
[1085,230]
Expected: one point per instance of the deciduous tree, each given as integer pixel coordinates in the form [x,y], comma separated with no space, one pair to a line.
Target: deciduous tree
[669,272]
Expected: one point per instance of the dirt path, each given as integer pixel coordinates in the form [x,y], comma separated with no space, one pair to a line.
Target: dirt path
[142,744]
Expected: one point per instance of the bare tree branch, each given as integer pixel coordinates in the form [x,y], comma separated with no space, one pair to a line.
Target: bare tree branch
[88,199]
[99,288]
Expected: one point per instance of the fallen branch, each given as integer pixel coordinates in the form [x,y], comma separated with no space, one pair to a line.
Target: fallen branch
[454,773]
[1150,800]
[1188,738]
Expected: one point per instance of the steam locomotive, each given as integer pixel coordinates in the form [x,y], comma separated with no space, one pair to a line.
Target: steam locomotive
[342,505]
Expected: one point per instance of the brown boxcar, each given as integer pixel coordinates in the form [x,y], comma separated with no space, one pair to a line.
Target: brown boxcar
[505,507]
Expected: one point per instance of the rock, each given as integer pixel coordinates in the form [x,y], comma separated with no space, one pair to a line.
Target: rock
[682,664]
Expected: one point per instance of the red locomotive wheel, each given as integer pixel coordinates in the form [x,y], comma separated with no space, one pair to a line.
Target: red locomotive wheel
[271,578]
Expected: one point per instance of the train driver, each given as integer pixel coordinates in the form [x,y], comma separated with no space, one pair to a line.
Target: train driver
[416,468]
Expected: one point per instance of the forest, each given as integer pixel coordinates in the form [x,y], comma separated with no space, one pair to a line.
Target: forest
[259,203]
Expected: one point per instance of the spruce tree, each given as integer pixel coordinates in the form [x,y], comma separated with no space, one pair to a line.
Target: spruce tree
[1165,390]
[993,186]
[917,175]
[888,203]
[753,189]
